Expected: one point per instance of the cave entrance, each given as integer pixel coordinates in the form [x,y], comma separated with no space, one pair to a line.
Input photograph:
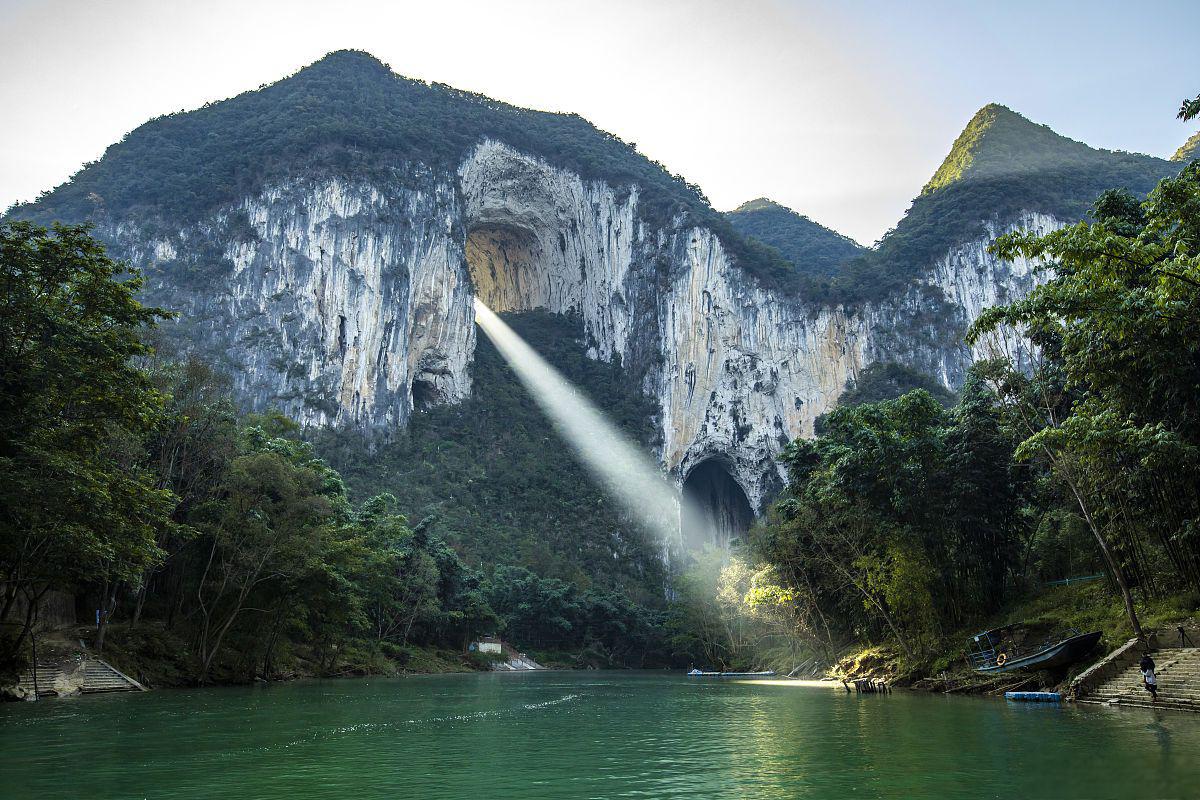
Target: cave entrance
[425,394]
[506,267]
[718,510]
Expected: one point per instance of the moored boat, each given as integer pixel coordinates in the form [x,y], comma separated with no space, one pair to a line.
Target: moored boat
[696,673]
[1000,650]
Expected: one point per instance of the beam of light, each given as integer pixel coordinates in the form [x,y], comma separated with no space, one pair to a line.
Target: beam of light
[629,475]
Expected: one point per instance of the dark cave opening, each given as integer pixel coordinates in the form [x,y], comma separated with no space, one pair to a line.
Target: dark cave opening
[425,394]
[718,511]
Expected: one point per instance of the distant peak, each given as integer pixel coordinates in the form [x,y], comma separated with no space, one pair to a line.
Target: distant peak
[760,204]
[965,151]
[1189,150]
[348,61]
[998,142]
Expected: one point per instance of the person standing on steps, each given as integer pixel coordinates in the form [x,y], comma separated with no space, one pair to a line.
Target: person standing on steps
[1146,665]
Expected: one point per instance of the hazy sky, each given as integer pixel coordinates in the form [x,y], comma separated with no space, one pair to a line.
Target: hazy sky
[840,110]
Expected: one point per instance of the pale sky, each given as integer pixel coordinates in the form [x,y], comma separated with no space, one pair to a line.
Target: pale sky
[841,110]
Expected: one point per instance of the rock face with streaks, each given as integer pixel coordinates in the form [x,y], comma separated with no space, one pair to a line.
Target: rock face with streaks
[351,303]
[340,287]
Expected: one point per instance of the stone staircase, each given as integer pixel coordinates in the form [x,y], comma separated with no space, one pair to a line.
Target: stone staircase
[90,676]
[517,662]
[100,676]
[48,679]
[1178,672]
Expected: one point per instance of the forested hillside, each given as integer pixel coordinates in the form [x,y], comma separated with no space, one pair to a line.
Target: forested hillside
[1000,166]
[908,525]
[218,546]
[496,479]
[814,250]
[350,115]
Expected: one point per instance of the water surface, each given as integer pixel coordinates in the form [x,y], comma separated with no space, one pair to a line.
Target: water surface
[584,735]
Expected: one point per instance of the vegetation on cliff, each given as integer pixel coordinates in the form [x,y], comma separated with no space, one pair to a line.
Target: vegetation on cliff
[349,114]
[1002,165]
[814,250]
[133,482]
[906,522]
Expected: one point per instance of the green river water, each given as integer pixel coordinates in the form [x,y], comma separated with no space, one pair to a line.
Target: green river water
[585,735]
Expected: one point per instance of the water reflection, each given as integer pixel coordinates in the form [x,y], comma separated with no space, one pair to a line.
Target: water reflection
[585,735]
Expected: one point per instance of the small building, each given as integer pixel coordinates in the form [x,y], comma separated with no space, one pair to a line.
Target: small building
[489,644]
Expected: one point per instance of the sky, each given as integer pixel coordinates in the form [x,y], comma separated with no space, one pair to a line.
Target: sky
[839,110]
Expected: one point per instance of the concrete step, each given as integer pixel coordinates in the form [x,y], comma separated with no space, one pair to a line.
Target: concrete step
[1145,703]
[98,676]
[1178,674]
[46,678]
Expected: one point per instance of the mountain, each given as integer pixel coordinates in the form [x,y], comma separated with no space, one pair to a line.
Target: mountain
[324,238]
[1189,150]
[1000,144]
[813,249]
[1002,166]
[350,115]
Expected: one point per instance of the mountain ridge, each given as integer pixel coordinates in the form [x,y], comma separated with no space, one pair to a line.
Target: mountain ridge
[1189,149]
[348,113]
[814,249]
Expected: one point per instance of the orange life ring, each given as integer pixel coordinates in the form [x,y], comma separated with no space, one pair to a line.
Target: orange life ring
[1001,660]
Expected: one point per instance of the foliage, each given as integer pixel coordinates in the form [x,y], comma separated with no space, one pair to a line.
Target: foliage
[1000,167]
[1189,150]
[887,380]
[131,481]
[727,614]
[78,503]
[496,480]
[902,520]
[1189,109]
[814,250]
[1112,404]
[605,627]
[349,115]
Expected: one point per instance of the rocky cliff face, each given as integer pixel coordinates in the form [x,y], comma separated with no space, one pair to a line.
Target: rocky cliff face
[351,303]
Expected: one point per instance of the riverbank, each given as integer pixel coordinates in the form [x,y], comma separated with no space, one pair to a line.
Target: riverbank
[944,666]
[159,658]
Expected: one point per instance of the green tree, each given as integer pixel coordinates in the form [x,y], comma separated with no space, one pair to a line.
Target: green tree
[1189,109]
[1111,405]
[269,525]
[79,505]
[900,521]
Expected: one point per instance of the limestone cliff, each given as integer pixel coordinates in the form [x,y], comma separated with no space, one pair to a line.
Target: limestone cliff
[350,302]
[327,251]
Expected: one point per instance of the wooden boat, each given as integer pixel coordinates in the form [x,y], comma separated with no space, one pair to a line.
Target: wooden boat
[996,651]
[695,673]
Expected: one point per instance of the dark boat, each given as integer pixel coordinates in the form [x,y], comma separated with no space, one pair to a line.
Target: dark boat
[1001,650]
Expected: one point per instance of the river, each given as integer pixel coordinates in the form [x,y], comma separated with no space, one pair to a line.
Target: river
[584,735]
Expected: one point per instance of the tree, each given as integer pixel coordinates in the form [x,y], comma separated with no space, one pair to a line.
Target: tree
[1189,109]
[899,521]
[1112,405]
[270,523]
[79,505]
